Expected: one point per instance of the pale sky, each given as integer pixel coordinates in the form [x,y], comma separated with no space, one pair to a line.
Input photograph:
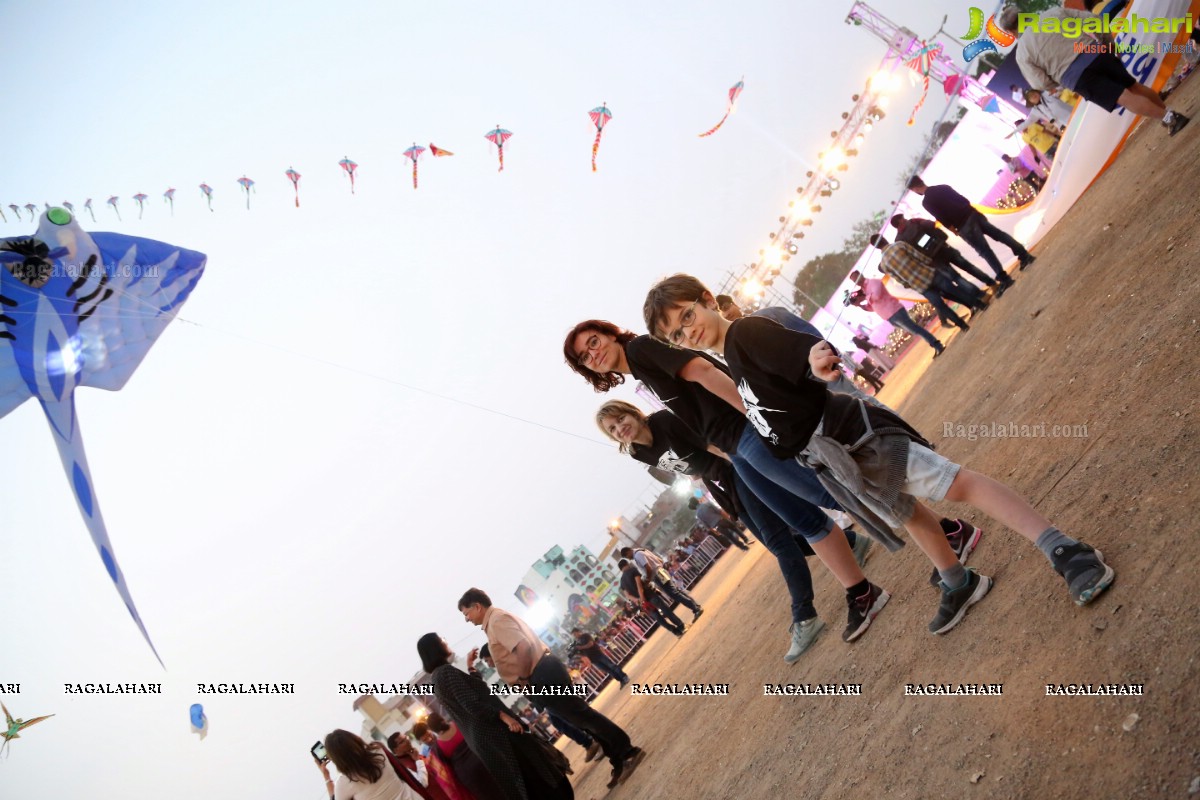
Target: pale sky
[284,505]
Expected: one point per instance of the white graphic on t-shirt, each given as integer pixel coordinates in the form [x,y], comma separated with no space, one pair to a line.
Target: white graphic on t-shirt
[672,462]
[754,412]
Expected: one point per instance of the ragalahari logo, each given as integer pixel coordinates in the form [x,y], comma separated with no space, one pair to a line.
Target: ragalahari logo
[995,36]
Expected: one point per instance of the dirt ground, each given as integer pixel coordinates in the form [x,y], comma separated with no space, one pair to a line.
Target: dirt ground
[1102,331]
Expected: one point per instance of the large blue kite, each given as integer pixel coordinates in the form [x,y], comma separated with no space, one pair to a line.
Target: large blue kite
[83,310]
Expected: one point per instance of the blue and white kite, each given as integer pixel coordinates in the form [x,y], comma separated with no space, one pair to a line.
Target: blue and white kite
[83,310]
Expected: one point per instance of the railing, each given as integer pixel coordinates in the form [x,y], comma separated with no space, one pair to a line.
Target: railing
[624,644]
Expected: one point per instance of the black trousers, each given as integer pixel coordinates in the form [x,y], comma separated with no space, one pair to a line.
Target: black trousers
[575,710]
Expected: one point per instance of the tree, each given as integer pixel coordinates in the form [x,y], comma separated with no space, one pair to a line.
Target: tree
[821,276]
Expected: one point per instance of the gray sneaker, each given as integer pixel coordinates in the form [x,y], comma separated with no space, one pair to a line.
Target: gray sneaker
[862,548]
[803,635]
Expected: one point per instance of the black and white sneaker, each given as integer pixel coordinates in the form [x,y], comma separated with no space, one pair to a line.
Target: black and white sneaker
[863,610]
[962,537]
[1176,124]
[956,602]
[1086,573]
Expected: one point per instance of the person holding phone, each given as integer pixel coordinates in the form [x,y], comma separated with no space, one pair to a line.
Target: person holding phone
[366,772]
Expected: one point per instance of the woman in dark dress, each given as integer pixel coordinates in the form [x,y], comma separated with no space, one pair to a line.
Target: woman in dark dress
[451,747]
[513,757]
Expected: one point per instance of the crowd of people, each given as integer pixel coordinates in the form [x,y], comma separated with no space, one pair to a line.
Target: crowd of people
[757,407]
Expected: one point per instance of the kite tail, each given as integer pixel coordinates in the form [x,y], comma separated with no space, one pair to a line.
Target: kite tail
[140,210]
[65,427]
[414,173]
[912,118]
[92,214]
[714,128]
[297,197]
[501,159]
[596,148]
[351,184]
[3,217]
[118,213]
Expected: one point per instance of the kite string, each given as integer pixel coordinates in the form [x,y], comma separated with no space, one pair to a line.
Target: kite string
[383,378]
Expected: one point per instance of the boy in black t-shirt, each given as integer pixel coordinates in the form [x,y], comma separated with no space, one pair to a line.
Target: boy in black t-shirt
[862,452]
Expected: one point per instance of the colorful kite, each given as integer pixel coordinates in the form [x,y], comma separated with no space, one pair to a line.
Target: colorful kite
[199,720]
[33,212]
[141,199]
[246,185]
[921,63]
[498,137]
[16,209]
[349,166]
[169,196]
[600,117]
[112,201]
[437,151]
[88,205]
[13,727]
[414,153]
[294,177]
[208,190]
[734,91]
[83,310]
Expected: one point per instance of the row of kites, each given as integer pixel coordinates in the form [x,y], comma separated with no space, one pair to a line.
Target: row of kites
[600,116]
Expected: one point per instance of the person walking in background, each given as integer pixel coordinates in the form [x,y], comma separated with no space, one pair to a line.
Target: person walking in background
[648,599]
[931,240]
[587,647]
[956,212]
[915,270]
[522,659]
[650,566]
[1050,60]
[879,301]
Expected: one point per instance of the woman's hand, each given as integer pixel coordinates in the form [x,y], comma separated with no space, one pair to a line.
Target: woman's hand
[512,724]
[824,362]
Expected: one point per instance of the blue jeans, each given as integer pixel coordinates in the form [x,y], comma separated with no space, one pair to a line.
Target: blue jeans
[953,258]
[901,319]
[775,535]
[790,490]
[679,594]
[974,231]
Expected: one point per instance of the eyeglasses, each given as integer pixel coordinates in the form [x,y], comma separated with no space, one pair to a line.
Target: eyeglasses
[585,358]
[686,321]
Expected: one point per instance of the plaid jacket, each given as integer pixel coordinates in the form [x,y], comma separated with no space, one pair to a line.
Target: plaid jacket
[908,265]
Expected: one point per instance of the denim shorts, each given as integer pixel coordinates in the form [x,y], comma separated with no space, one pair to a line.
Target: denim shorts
[928,475]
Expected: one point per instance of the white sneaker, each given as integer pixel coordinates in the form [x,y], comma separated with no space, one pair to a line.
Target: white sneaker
[803,635]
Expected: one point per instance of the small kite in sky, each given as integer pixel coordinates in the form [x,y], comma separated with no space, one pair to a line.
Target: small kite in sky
[414,153]
[13,727]
[246,185]
[498,137]
[920,64]
[68,207]
[438,151]
[33,212]
[734,91]
[199,720]
[112,201]
[84,309]
[349,166]
[600,117]
[88,205]
[208,190]
[294,177]
[169,196]
[141,199]
[16,209]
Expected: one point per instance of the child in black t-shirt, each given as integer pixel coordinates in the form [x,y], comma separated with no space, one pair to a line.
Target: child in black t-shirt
[861,452]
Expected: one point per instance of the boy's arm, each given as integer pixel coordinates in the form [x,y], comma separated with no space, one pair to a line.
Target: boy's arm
[714,380]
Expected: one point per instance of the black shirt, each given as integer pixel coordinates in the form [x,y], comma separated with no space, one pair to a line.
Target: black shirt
[915,230]
[657,365]
[770,366]
[947,206]
[676,448]
[587,645]
[629,577]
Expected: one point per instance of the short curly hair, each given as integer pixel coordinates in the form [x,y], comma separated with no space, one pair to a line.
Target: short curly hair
[601,382]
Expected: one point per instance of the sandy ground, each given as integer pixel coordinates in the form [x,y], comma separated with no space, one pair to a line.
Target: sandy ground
[1102,331]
